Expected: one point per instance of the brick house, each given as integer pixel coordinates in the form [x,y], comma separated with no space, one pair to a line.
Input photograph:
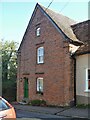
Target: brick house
[45,63]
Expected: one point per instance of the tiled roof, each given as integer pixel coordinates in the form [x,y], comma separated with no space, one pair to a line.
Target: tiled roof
[63,22]
[82,32]
[83,49]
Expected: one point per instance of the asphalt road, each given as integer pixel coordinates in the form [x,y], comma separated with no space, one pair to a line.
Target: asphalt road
[26,115]
[36,116]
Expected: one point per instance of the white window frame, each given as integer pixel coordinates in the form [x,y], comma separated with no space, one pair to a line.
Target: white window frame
[40,55]
[39,85]
[87,79]
[38,31]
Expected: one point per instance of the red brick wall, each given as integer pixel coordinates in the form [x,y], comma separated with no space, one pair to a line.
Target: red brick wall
[56,70]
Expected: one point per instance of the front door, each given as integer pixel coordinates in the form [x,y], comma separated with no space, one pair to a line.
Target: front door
[25,87]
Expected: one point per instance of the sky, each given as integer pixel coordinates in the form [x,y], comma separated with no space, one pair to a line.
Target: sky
[15,14]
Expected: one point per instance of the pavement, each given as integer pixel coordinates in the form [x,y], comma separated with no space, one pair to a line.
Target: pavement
[72,112]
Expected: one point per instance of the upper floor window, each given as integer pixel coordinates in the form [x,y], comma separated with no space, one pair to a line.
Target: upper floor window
[88,79]
[38,31]
[40,55]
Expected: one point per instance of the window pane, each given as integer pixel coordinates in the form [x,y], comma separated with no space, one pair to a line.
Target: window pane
[40,85]
[38,31]
[42,51]
[89,84]
[37,85]
[39,51]
[40,54]
[88,74]
[41,59]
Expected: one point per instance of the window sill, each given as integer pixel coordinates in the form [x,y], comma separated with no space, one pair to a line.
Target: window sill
[39,93]
[40,63]
[39,73]
[86,91]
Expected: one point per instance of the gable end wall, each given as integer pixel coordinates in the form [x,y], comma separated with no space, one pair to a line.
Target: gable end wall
[56,70]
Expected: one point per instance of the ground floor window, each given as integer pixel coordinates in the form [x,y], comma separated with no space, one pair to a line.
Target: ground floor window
[88,79]
[40,85]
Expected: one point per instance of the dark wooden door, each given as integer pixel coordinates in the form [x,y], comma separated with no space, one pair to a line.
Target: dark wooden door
[25,87]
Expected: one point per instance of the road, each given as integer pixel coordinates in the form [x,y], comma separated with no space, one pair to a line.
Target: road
[36,116]
[26,115]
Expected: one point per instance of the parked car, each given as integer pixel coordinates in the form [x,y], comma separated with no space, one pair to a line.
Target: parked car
[6,109]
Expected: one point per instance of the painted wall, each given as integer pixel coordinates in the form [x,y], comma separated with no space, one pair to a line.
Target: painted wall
[82,63]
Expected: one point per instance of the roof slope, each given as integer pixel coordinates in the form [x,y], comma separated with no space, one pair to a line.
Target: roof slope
[82,32]
[63,22]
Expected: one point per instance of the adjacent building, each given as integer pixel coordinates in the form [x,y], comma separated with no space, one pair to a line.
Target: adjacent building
[82,56]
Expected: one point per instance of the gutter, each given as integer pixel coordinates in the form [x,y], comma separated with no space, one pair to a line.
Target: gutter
[82,53]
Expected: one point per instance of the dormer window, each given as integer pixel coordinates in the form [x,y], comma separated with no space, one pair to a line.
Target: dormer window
[38,31]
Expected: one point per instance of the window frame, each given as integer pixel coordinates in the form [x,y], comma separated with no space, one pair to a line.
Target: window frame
[87,79]
[38,85]
[40,55]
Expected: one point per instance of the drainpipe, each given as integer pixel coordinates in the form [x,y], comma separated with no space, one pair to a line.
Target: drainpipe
[74,80]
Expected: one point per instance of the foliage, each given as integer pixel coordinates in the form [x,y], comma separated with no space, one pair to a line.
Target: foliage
[9,60]
[9,68]
[38,102]
[83,106]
